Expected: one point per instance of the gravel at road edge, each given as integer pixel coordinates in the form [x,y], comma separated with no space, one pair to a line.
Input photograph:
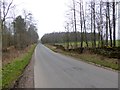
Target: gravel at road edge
[26,80]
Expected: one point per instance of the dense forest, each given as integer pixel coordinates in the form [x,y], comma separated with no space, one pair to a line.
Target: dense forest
[19,31]
[62,37]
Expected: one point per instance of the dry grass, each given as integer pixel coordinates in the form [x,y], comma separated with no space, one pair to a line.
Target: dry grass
[8,57]
[12,71]
[90,57]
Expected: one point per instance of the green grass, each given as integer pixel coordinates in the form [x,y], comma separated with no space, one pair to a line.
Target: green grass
[78,44]
[84,43]
[12,71]
[118,43]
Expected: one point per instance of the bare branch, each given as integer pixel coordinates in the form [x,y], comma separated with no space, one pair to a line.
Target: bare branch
[8,8]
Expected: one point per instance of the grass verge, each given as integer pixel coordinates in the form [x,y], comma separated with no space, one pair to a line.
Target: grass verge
[12,71]
[89,57]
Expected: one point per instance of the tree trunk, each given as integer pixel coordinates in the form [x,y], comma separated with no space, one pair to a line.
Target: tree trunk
[75,24]
[110,29]
[106,26]
[94,24]
[81,24]
[67,36]
[91,23]
[84,26]
[114,25]
[0,32]
[101,26]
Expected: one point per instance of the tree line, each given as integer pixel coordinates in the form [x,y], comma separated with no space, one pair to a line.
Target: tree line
[61,37]
[18,31]
[96,17]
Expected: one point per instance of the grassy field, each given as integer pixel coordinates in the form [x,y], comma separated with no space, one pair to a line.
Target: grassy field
[90,57]
[118,43]
[13,70]
[72,44]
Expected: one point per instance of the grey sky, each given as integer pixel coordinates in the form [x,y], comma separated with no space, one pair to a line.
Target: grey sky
[50,14]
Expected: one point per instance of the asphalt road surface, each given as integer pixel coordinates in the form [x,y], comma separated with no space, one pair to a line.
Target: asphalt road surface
[53,70]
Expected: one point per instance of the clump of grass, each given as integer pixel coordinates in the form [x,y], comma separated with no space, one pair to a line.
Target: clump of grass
[13,70]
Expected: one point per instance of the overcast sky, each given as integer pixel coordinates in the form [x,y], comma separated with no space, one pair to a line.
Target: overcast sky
[50,14]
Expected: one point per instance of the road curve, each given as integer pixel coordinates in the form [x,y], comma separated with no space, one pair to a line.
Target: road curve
[53,70]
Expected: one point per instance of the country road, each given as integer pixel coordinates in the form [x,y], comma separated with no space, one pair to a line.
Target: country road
[53,70]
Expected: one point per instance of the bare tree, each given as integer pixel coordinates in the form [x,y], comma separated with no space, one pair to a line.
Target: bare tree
[0,49]
[101,23]
[74,11]
[107,25]
[67,36]
[92,23]
[110,28]
[84,20]
[81,24]
[94,39]
[5,10]
[114,25]
[0,12]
